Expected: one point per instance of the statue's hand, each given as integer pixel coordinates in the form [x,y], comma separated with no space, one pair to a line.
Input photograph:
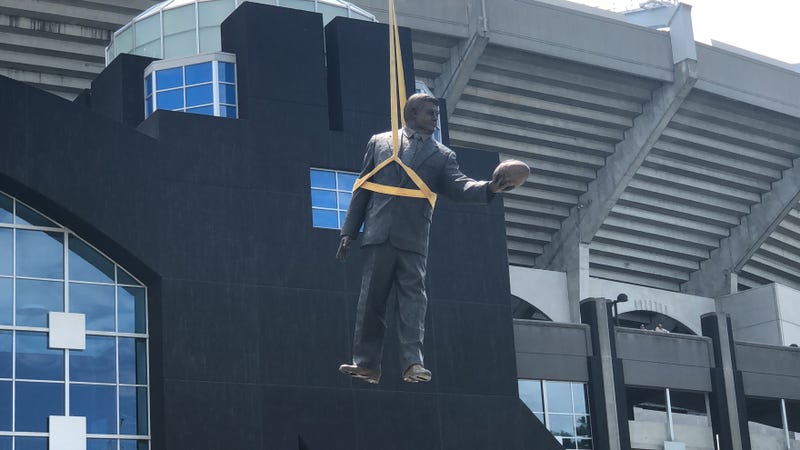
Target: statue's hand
[344,248]
[500,183]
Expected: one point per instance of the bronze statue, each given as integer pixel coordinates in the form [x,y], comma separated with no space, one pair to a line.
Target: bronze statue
[395,236]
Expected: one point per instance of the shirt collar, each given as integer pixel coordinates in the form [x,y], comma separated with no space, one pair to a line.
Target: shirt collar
[410,132]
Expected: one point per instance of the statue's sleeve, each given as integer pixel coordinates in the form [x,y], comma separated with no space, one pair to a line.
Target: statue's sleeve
[460,188]
[358,204]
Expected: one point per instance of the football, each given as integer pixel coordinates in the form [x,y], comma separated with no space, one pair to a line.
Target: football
[512,171]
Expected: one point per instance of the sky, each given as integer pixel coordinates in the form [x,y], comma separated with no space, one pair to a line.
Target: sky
[768,27]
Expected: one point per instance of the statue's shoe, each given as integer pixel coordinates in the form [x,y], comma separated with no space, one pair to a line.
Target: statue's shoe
[416,373]
[371,376]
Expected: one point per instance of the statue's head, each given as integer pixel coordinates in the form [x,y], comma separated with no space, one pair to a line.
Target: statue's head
[422,112]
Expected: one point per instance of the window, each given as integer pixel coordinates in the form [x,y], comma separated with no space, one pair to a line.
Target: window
[46,268]
[330,197]
[563,407]
[203,84]
[422,88]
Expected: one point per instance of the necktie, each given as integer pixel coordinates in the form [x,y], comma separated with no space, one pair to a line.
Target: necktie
[408,153]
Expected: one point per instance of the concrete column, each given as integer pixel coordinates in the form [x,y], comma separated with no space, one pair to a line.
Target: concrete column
[728,407]
[577,269]
[606,380]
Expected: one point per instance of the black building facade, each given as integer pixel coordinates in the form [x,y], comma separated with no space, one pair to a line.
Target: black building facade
[249,313]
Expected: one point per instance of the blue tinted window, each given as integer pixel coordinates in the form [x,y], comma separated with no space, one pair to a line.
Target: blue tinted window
[559,397]
[227,72]
[227,111]
[96,301]
[27,216]
[5,354]
[132,310]
[325,219]
[40,254]
[5,406]
[6,209]
[148,104]
[31,443]
[5,441]
[125,278]
[132,361]
[148,85]
[37,401]
[579,397]
[342,216]
[6,292]
[323,199]
[346,181]
[227,94]
[204,110]
[323,179]
[199,73]
[169,78]
[98,404]
[6,251]
[87,264]
[35,299]
[344,200]
[133,445]
[101,444]
[170,99]
[530,392]
[199,95]
[95,364]
[35,361]
[132,410]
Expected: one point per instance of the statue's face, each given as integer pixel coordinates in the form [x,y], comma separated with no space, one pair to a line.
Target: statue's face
[426,117]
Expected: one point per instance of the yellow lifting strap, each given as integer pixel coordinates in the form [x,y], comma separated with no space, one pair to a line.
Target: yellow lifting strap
[397,87]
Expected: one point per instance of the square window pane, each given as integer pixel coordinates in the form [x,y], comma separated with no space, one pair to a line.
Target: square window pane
[346,181]
[561,424]
[325,219]
[123,42]
[530,392]
[203,110]
[568,443]
[31,443]
[5,406]
[132,410]
[227,72]
[101,444]
[584,443]
[35,361]
[214,12]
[579,397]
[169,78]
[40,254]
[227,111]
[199,95]
[323,199]
[98,404]
[5,354]
[180,19]
[37,401]
[344,200]
[170,100]
[5,441]
[95,364]
[132,310]
[227,94]
[6,209]
[148,85]
[87,264]
[180,44]
[210,38]
[323,179]
[559,396]
[35,299]
[199,73]
[96,301]
[133,445]
[582,426]
[27,216]
[132,361]
[6,251]
[6,293]
[147,30]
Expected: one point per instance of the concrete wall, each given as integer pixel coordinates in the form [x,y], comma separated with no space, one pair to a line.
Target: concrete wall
[685,308]
[754,315]
[789,314]
[769,371]
[544,289]
[552,351]
[651,435]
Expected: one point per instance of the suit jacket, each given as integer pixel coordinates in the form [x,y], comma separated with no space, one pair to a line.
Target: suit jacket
[406,221]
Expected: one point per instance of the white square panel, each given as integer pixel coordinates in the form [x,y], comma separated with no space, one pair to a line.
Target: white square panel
[68,433]
[67,330]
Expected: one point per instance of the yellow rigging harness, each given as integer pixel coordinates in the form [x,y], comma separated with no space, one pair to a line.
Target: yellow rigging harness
[397,87]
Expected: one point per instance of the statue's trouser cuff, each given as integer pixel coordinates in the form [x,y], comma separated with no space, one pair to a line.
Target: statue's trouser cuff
[390,273]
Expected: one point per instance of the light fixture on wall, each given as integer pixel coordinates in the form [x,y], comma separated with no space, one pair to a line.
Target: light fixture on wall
[621,298]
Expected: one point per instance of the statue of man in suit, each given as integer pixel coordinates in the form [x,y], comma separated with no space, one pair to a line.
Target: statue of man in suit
[395,238]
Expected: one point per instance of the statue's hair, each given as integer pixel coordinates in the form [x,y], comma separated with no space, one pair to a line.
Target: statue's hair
[415,102]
